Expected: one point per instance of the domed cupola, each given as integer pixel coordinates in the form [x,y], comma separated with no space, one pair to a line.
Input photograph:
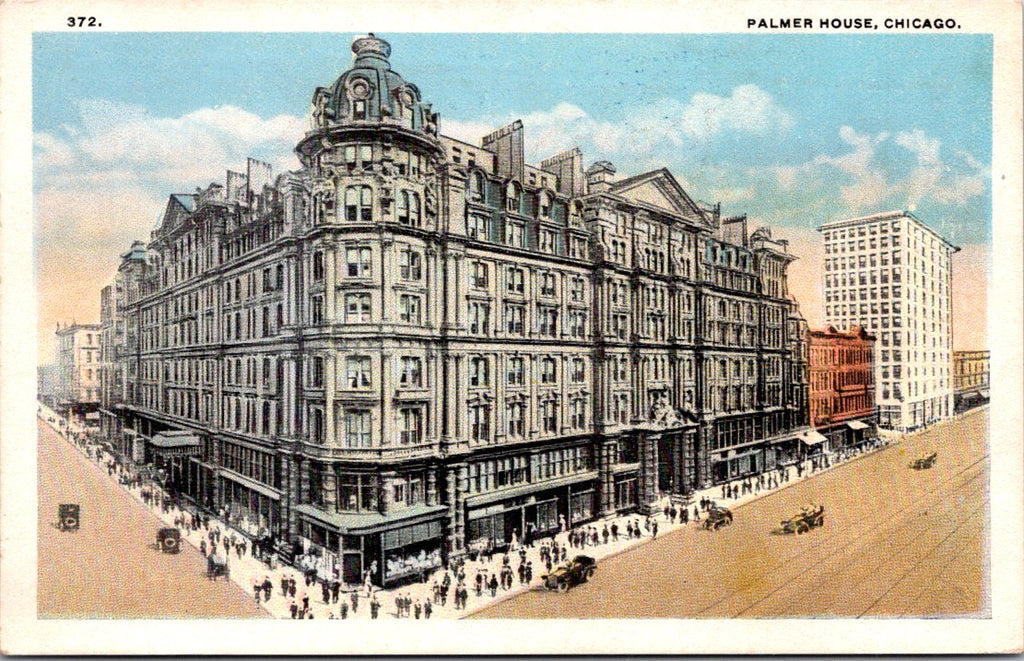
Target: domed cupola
[370,92]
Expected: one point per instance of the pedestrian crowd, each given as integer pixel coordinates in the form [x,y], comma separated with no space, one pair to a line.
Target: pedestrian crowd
[478,577]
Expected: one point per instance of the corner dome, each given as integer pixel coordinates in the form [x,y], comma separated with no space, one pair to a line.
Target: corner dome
[371,92]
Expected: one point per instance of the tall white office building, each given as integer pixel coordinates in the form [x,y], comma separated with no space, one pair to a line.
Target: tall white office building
[892,275]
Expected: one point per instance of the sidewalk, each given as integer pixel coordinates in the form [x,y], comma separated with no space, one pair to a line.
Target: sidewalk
[246,570]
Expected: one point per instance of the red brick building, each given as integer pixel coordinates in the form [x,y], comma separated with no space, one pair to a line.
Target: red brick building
[841,385]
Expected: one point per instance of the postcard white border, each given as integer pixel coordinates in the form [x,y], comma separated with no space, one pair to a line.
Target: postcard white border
[22,633]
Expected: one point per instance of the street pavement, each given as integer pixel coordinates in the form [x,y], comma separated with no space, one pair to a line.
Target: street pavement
[246,571]
[896,542]
[109,568]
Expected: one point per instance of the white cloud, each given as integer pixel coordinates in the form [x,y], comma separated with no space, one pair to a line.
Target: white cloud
[663,127]
[749,109]
[177,152]
[103,181]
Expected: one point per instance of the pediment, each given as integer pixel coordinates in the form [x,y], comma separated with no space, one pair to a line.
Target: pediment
[179,207]
[661,190]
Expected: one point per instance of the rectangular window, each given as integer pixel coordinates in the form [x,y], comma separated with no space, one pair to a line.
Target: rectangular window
[409,309]
[514,374]
[357,372]
[548,320]
[316,312]
[479,318]
[318,266]
[479,371]
[514,318]
[410,426]
[357,308]
[316,374]
[479,422]
[515,414]
[357,261]
[478,227]
[547,286]
[412,372]
[514,235]
[478,275]
[357,428]
[410,265]
[547,371]
[515,280]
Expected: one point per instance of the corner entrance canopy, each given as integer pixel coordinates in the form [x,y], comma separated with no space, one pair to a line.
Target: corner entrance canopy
[811,437]
[856,425]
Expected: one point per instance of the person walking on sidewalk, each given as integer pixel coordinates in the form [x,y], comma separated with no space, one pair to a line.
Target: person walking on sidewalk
[268,587]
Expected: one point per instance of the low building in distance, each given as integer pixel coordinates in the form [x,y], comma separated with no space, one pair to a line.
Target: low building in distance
[78,372]
[970,379]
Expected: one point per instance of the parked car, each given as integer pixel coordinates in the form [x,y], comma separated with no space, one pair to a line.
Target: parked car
[718,517]
[579,570]
[925,462]
[810,516]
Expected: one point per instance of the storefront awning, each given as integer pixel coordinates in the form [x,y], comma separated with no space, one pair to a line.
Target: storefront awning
[250,483]
[526,489]
[174,439]
[175,443]
[984,393]
[362,524]
[811,437]
[856,425]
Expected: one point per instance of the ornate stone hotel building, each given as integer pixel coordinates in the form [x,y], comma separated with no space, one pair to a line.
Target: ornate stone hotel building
[415,346]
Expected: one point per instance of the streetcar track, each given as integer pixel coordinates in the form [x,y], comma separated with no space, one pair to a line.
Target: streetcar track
[854,538]
[917,564]
[869,571]
[855,542]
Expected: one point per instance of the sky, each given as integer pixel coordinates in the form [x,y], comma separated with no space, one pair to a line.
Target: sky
[792,130]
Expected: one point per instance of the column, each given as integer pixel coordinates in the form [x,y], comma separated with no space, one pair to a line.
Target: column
[606,455]
[647,444]
[457,482]
[432,485]
[330,488]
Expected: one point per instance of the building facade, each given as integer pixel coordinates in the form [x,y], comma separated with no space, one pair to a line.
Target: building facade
[842,386]
[891,274]
[78,370]
[970,379]
[417,346]
[118,343]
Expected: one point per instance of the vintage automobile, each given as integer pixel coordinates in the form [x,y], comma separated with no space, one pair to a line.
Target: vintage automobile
[217,566]
[579,570]
[718,517]
[810,516]
[924,462]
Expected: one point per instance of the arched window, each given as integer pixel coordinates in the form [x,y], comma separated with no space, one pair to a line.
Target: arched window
[512,197]
[359,203]
[476,187]
[544,205]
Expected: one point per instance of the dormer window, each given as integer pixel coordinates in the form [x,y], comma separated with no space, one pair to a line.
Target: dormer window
[544,205]
[512,197]
[476,187]
[359,110]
